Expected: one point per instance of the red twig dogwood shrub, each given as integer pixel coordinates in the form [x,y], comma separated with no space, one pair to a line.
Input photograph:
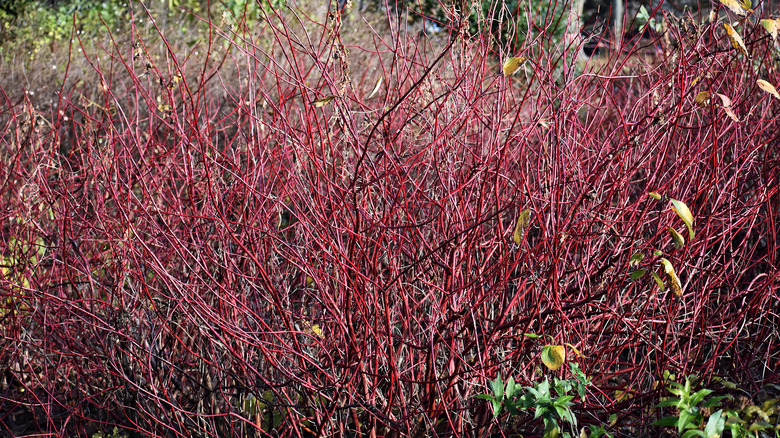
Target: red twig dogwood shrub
[302,233]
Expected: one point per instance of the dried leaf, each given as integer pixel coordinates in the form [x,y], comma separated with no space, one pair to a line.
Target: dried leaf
[702,99]
[726,102]
[685,214]
[511,65]
[727,107]
[376,88]
[323,101]
[674,281]
[553,356]
[736,40]
[769,88]
[771,26]
[735,6]
[522,223]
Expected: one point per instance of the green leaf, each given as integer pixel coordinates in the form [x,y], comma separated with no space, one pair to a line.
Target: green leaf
[639,273]
[685,214]
[667,421]
[727,384]
[553,356]
[496,407]
[685,421]
[636,259]
[692,433]
[658,281]
[715,425]
[655,196]
[715,401]
[699,395]
[564,400]
[532,335]
[673,401]
[498,388]
[510,388]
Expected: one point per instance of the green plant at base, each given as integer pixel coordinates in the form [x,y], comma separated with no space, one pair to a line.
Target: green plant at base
[35,25]
[551,403]
[643,16]
[693,408]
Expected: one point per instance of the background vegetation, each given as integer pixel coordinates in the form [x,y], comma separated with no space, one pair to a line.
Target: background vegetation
[289,219]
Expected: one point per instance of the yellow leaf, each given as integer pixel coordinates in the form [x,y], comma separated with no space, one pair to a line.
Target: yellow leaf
[685,214]
[769,88]
[163,108]
[735,6]
[314,329]
[736,40]
[674,281]
[702,99]
[574,349]
[678,240]
[553,356]
[511,65]
[746,4]
[522,223]
[323,101]
[771,26]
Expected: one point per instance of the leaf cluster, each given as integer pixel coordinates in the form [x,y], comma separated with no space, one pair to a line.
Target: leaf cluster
[694,416]
[550,402]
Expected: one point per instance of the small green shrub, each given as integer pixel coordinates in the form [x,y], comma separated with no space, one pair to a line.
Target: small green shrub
[694,416]
[32,26]
[551,403]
